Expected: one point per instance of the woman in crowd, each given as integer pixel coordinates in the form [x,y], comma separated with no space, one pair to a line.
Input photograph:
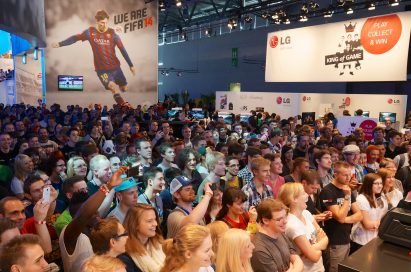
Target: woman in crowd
[187,163]
[189,251]
[373,208]
[23,166]
[232,212]
[76,166]
[287,159]
[144,246]
[373,156]
[391,193]
[214,206]
[234,252]
[100,263]
[302,228]
[276,169]
[390,165]
[95,134]
[56,169]
[217,229]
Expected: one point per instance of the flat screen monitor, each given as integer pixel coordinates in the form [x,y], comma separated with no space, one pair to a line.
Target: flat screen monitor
[388,115]
[365,114]
[244,117]
[227,117]
[196,113]
[174,112]
[70,83]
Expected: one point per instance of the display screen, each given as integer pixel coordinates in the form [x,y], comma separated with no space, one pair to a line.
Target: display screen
[244,117]
[388,115]
[196,113]
[174,112]
[227,117]
[365,114]
[70,83]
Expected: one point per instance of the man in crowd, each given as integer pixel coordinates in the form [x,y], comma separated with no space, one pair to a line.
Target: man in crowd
[303,142]
[8,231]
[186,132]
[215,162]
[168,154]
[273,251]
[300,164]
[153,180]
[127,194]
[245,173]
[231,178]
[351,154]
[69,148]
[338,198]
[393,147]
[323,161]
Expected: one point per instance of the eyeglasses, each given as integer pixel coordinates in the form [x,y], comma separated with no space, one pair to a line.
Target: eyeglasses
[377,183]
[124,234]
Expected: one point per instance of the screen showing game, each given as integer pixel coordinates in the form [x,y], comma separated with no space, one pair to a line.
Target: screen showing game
[244,117]
[388,115]
[365,114]
[196,113]
[227,117]
[174,112]
[70,83]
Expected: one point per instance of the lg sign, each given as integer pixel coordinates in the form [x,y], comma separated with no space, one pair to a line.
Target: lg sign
[282,40]
[284,100]
[395,101]
[306,98]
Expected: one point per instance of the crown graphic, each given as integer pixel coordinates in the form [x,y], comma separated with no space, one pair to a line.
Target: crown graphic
[353,124]
[350,27]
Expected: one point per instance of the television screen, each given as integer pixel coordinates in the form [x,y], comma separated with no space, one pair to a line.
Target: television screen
[174,112]
[227,117]
[70,83]
[196,113]
[365,114]
[388,115]
[244,117]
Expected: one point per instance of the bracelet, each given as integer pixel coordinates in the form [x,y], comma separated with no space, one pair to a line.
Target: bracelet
[43,222]
[104,189]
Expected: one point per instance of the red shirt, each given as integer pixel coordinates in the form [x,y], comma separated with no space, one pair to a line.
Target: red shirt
[29,228]
[236,225]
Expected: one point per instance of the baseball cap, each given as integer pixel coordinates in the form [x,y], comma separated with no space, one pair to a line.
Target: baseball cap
[351,149]
[127,184]
[179,182]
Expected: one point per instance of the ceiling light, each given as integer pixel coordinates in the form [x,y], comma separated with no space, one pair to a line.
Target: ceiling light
[248,19]
[349,10]
[286,21]
[274,16]
[232,23]
[313,5]
[178,3]
[179,74]
[304,9]
[371,6]
[265,15]
[328,14]
[303,18]
[277,21]
[394,3]
[208,31]
[162,6]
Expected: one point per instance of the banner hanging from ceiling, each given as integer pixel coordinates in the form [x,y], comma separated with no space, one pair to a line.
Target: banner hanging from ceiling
[365,49]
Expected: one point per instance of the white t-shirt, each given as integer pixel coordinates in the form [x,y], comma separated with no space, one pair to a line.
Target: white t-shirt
[395,196]
[295,228]
[359,234]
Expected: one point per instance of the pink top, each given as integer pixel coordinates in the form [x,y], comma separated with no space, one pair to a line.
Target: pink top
[275,185]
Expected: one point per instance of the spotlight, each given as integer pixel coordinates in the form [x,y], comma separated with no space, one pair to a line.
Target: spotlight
[371,6]
[24,59]
[303,18]
[163,73]
[265,15]
[349,10]
[179,74]
[167,73]
[340,3]
[394,3]
[162,5]
[248,19]
[304,9]
[232,24]
[274,16]
[286,21]
[36,54]
[313,5]
[178,3]
[328,14]
[208,31]
[183,35]
[277,21]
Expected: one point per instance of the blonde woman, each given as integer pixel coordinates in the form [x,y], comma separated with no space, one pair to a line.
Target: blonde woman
[23,166]
[234,252]
[391,193]
[189,251]
[144,245]
[103,263]
[302,228]
[76,166]
[217,229]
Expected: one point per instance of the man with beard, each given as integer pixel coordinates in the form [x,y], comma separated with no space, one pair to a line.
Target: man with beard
[323,161]
[184,195]
[303,142]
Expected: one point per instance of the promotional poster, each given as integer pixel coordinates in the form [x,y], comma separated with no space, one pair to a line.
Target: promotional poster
[101,52]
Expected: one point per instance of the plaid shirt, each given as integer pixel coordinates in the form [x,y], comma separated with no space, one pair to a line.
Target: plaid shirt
[246,175]
[253,197]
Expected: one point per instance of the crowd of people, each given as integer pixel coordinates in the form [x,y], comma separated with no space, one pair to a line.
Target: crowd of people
[99,189]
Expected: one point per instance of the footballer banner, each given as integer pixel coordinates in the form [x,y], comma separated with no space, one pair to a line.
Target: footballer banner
[365,49]
[101,52]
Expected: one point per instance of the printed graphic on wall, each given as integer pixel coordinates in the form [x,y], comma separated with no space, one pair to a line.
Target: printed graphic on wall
[101,51]
[364,49]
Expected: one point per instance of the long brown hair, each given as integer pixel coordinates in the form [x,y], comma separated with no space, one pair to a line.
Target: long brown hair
[131,224]
[366,188]
[189,238]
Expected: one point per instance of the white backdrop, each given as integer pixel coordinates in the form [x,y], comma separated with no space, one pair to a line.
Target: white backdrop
[286,104]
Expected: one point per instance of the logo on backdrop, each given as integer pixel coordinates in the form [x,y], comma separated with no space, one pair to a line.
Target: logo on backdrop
[306,98]
[283,100]
[393,101]
[274,41]
[347,58]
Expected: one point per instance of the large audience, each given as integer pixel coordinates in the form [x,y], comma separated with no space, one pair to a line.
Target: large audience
[119,189]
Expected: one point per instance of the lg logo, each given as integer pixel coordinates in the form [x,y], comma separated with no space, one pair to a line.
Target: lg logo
[393,101]
[283,100]
[274,41]
[306,98]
